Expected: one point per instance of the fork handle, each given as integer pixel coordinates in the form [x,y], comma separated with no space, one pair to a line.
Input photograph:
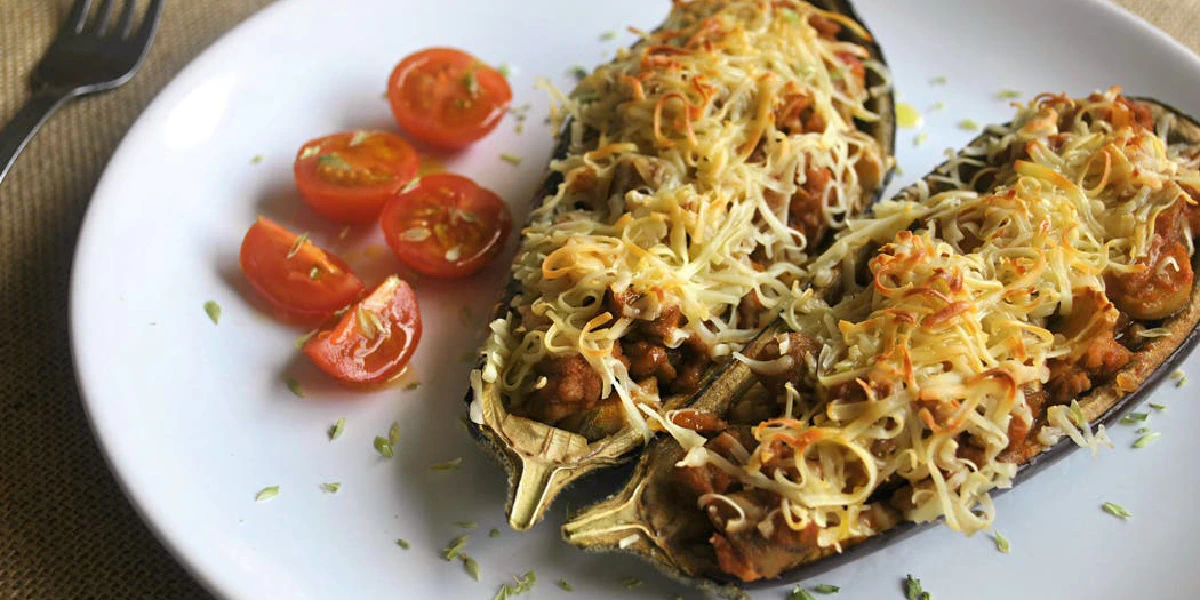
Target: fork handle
[25,123]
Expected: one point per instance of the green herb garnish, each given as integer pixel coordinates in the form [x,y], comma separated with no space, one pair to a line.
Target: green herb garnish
[257,158]
[300,240]
[608,36]
[331,487]
[494,533]
[450,465]
[309,152]
[333,161]
[578,72]
[412,386]
[968,125]
[920,138]
[471,82]
[1157,406]
[800,594]
[505,70]
[266,493]
[630,582]
[1007,94]
[1001,542]
[1146,439]
[335,430]
[511,159]
[466,524]
[939,80]
[825,588]
[564,586]
[383,446]
[455,547]
[294,387]
[471,567]
[789,15]
[913,590]
[403,543]
[213,310]
[1134,418]
[394,434]
[1116,510]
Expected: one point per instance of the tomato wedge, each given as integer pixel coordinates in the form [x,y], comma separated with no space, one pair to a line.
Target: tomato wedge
[373,341]
[302,282]
[447,97]
[446,226]
[347,177]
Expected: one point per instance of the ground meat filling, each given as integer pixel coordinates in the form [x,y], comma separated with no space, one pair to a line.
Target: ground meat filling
[570,395]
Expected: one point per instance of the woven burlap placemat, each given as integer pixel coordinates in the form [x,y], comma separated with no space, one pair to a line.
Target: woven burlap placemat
[66,531]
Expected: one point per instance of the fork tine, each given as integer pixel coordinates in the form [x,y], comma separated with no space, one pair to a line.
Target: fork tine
[77,17]
[149,23]
[125,21]
[100,23]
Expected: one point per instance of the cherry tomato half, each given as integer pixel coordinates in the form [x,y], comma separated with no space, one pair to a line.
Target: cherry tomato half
[373,341]
[446,226]
[302,282]
[347,177]
[447,97]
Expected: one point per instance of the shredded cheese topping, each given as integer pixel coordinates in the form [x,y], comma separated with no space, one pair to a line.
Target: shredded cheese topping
[683,153]
[979,290]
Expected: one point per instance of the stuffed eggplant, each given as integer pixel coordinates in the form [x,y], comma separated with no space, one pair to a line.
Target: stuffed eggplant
[1002,310]
[696,176]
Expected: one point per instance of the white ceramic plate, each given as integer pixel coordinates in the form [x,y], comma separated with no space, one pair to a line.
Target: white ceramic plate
[196,418]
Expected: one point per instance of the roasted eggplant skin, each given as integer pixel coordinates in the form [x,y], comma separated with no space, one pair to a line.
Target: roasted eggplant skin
[647,533]
[535,480]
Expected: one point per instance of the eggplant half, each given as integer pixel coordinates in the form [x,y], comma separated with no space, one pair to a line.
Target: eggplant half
[540,458]
[658,519]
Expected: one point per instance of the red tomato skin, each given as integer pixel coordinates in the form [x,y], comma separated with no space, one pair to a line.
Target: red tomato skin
[292,295]
[346,354]
[416,255]
[432,129]
[352,204]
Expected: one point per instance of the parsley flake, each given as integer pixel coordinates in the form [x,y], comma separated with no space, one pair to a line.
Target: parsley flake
[471,567]
[800,594]
[403,543]
[1146,439]
[213,310]
[455,547]
[825,588]
[294,387]
[300,240]
[394,434]
[578,72]
[257,158]
[608,36]
[1007,94]
[1157,406]
[1116,510]
[564,586]
[913,590]
[335,430]
[1001,542]
[511,159]
[1134,418]
[331,487]
[266,493]
[466,524]
[939,80]
[494,533]
[383,446]
[968,125]
[450,465]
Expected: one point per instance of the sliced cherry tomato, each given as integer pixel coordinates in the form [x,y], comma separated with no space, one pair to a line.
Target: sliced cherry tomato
[302,282]
[373,341]
[447,97]
[446,226]
[347,177]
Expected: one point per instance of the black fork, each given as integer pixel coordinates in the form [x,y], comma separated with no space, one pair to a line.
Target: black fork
[88,55]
